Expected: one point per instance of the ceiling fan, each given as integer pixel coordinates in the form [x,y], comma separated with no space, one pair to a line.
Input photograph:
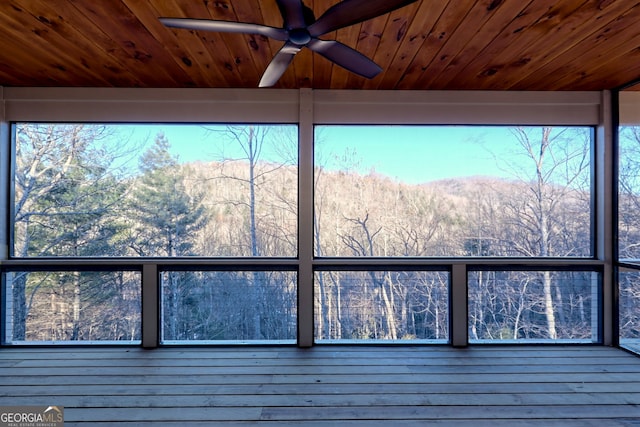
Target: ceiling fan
[302,29]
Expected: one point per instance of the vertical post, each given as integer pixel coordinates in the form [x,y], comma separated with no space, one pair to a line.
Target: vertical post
[150,306]
[5,167]
[6,293]
[305,220]
[604,227]
[458,306]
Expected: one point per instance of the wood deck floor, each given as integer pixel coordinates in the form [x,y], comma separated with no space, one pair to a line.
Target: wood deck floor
[362,386]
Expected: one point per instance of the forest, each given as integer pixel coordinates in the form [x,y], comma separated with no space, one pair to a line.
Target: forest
[84,191]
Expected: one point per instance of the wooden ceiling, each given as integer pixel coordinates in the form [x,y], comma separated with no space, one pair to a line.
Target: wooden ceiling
[430,44]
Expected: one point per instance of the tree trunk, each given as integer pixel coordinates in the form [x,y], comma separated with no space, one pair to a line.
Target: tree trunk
[324,329]
[75,334]
[392,328]
[338,313]
[548,305]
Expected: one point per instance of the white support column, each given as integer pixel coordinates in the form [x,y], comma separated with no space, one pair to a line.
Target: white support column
[604,215]
[458,304]
[305,221]
[150,306]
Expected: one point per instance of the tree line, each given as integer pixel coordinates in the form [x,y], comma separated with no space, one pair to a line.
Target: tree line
[76,196]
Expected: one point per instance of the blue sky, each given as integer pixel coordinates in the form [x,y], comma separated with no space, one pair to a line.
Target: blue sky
[416,154]
[413,154]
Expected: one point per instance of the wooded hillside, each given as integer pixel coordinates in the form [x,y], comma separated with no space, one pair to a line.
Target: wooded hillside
[71,201]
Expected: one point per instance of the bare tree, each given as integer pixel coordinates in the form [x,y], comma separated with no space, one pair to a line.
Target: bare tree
[543,218]
[255,160]
[67,192]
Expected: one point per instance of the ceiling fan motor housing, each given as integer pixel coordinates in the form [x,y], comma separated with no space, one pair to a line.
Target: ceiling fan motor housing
[299,36]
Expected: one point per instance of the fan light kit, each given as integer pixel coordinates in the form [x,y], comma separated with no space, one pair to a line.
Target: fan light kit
[302,29]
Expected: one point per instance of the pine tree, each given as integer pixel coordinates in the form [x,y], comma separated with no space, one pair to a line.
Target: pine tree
[166,216]
[166,219]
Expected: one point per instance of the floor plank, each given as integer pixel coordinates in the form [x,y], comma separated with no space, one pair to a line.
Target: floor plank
[351,386]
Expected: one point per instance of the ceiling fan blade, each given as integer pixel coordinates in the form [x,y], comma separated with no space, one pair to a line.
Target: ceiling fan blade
[292,13]
[346,57]
[278,65]
[226,27]
[350,12]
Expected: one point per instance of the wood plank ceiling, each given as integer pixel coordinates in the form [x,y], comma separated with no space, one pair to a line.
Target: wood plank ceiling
[430,44]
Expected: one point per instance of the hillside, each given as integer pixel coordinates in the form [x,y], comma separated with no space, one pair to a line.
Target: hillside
[374,215]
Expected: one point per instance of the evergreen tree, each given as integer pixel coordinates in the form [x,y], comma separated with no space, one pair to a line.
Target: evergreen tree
[166,219]
[165,216]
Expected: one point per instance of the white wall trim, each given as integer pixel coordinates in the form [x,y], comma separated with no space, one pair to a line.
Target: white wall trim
[458,107]
[151,105]
[282,106]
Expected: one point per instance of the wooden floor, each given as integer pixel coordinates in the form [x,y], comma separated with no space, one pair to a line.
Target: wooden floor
[329,386]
